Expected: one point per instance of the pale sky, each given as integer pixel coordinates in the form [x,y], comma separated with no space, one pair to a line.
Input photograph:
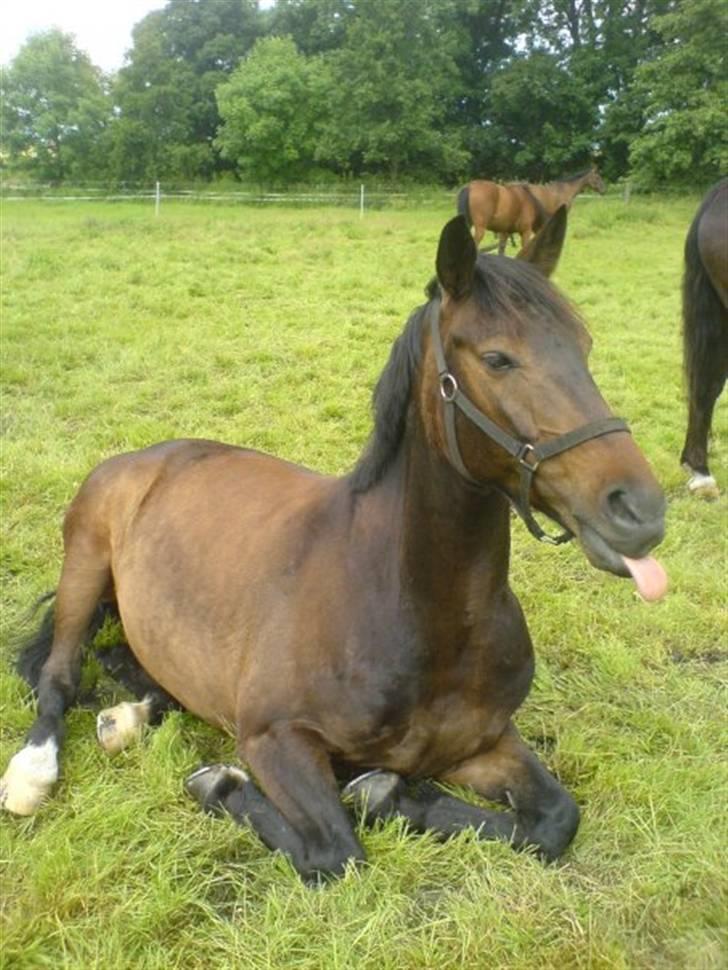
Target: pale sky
[102,27]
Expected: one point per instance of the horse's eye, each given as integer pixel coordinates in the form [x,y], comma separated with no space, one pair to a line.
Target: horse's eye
[498,361]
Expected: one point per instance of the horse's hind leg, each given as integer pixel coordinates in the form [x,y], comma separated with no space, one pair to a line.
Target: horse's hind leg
[700,417]
[119,726]
[547,817]
[85,577]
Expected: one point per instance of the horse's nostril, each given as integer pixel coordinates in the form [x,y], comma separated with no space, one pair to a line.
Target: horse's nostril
[622,507]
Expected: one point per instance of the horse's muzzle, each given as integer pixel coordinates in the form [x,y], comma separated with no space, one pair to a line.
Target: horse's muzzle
[631,523]
[636,516]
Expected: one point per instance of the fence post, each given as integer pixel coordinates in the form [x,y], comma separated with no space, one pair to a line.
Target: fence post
[156,200]
[361,201]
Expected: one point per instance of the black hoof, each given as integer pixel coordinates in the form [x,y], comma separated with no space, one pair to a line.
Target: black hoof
[210,784]
[374,793]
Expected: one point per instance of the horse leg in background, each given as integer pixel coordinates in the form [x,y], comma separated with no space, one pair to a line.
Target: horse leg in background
[526,237]
[502,242]
[119,726]
[705,331]
[546,815]
[33,771]
[300,813]
[700,416]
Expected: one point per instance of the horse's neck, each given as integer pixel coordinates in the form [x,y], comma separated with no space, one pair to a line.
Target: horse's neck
[563,193]
[455,540]
[442,550]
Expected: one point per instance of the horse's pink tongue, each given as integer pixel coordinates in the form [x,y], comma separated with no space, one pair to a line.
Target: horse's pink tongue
[650,577]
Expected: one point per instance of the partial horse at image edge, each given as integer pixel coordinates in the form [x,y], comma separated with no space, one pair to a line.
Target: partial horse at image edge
[705,330]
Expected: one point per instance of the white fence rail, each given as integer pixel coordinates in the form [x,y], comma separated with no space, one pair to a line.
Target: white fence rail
[360,198]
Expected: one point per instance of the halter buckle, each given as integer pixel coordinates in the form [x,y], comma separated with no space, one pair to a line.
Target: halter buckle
[522,457]
[448,386]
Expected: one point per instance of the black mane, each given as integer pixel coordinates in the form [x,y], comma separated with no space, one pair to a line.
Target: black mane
[508,291]
[390,403]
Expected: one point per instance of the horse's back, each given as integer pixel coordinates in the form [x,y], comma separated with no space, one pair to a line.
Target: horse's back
[118,488]
[197,488]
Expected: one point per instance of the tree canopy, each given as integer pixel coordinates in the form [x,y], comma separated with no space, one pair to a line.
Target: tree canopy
[437,90]
[54,108]
[684,90]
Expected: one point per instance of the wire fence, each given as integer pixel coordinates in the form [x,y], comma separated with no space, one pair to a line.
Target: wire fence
[360,198]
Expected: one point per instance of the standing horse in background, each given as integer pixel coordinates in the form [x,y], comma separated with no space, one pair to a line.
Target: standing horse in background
[362,623]
[519,207]
[705,330]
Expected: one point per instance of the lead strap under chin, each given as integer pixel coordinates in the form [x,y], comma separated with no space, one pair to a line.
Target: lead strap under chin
[529,456]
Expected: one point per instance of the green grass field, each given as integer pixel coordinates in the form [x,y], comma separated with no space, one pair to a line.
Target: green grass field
[268,328]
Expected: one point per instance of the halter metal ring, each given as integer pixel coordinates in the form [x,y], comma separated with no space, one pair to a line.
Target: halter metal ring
[448,386]
[523,454]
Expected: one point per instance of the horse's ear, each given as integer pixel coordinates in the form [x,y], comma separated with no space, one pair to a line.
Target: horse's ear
[544,249]
[456,258]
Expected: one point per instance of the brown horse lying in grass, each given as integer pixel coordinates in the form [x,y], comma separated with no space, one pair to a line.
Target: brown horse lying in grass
[519,207]
[363,623]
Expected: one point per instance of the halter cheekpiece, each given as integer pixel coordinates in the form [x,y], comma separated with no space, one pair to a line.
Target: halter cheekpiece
[529,456]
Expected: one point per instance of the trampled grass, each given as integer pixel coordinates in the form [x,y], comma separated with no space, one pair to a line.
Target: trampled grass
[269,328]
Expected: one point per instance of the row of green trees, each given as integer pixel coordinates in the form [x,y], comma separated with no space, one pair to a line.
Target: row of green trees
[436,90]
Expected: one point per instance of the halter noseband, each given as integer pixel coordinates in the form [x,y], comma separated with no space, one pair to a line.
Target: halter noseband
[529,456]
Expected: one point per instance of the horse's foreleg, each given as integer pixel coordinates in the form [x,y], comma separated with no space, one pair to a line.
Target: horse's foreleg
[547,816]
[299,813]
[33,771]
[526,237]
[502,242]
[295,772]
[383,795]
[225,789]
[118,727]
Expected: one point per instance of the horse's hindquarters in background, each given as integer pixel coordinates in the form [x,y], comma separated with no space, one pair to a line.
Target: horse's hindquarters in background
[705,331]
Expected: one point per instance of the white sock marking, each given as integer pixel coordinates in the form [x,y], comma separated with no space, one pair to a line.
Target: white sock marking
[31,774]
[704,485]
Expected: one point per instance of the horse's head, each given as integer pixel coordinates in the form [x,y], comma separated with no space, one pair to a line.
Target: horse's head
[519,410]
[595,181]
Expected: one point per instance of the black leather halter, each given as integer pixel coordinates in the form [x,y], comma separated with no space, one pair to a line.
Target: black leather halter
[529,456]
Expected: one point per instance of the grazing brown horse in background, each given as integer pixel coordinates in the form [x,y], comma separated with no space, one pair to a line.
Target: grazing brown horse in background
[519,207]
[705,330]
[362,622]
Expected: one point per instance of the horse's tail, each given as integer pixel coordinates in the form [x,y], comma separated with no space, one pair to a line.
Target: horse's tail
[34,648]
[463,205]
[703,311]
